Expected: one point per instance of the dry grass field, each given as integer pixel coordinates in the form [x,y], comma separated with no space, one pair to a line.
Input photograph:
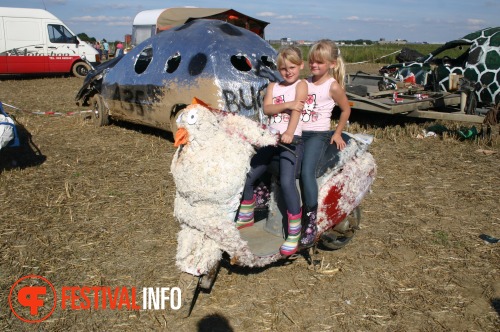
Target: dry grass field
[88,206]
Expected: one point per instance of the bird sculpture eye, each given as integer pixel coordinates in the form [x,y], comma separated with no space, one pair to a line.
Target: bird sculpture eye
[192,116]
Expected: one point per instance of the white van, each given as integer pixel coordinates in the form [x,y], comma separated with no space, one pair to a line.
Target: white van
[33,41]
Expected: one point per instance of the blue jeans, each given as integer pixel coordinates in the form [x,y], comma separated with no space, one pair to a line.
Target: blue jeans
[315,145]
[288,161]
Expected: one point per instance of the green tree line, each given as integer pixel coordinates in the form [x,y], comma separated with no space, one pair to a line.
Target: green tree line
[379,53]
[83,36]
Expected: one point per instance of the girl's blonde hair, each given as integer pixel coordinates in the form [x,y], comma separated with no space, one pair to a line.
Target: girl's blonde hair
[326,50]
[290,53]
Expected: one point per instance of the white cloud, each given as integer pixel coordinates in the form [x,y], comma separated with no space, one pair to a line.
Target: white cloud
[119,6]
[296,22]
[114,6]
[266,14]
[370,19]
[102,18]
[119,24]
[90,19]
[475,21]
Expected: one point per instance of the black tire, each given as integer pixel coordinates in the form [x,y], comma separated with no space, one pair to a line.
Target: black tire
[100,114]
[189,285]
[80,69]
[340,235]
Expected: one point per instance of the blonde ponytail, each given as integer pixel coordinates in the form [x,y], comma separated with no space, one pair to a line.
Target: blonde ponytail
[339,72]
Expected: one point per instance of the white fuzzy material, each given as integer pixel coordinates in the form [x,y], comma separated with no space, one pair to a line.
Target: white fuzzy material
[209,174]
[351,178]
[352,184]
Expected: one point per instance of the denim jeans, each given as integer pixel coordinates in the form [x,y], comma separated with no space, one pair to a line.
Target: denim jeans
[315,145]
[288,162]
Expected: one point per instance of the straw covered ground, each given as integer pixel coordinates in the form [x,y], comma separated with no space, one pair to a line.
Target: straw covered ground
[87,206]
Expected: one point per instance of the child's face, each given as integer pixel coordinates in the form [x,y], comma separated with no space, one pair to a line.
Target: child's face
[290,71]
[319,67]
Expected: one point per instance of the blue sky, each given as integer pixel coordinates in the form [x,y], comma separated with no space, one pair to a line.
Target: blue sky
[413,20]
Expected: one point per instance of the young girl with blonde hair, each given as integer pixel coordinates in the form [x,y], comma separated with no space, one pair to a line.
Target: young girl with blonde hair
[326,90]
[283,103]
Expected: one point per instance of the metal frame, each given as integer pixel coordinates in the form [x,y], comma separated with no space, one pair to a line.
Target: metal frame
[411,102]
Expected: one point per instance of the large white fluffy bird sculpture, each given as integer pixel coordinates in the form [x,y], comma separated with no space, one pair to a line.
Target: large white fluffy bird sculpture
[209,169]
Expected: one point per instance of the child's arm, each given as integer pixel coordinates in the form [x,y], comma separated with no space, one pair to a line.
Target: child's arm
[297,107]
[338,94]
[272,109]
[268,101]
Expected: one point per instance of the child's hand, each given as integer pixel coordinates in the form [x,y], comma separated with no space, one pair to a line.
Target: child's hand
[337,138]
[297,105]
[286,137]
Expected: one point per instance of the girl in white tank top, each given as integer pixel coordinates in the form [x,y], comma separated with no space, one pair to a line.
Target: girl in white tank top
[283,103]
[326,90]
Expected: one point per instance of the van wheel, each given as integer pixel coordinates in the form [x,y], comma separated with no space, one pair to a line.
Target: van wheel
[80,69]
[100,114]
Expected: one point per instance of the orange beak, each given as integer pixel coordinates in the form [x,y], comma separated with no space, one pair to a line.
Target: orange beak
[181,137]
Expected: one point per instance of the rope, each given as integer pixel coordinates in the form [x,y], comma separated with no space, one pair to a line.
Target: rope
[60,113]
[383,56]
[14,107]
[48,112]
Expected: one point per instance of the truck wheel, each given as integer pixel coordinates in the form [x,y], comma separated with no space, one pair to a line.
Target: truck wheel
[100,114]
[80,69]
[340,235]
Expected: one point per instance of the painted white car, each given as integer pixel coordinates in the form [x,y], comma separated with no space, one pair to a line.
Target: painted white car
[225,66]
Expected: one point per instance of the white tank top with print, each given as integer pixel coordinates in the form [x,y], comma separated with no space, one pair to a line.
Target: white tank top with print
[319,106]
[282,94]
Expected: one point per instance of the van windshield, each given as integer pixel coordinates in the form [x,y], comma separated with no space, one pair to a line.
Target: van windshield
[59,34]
